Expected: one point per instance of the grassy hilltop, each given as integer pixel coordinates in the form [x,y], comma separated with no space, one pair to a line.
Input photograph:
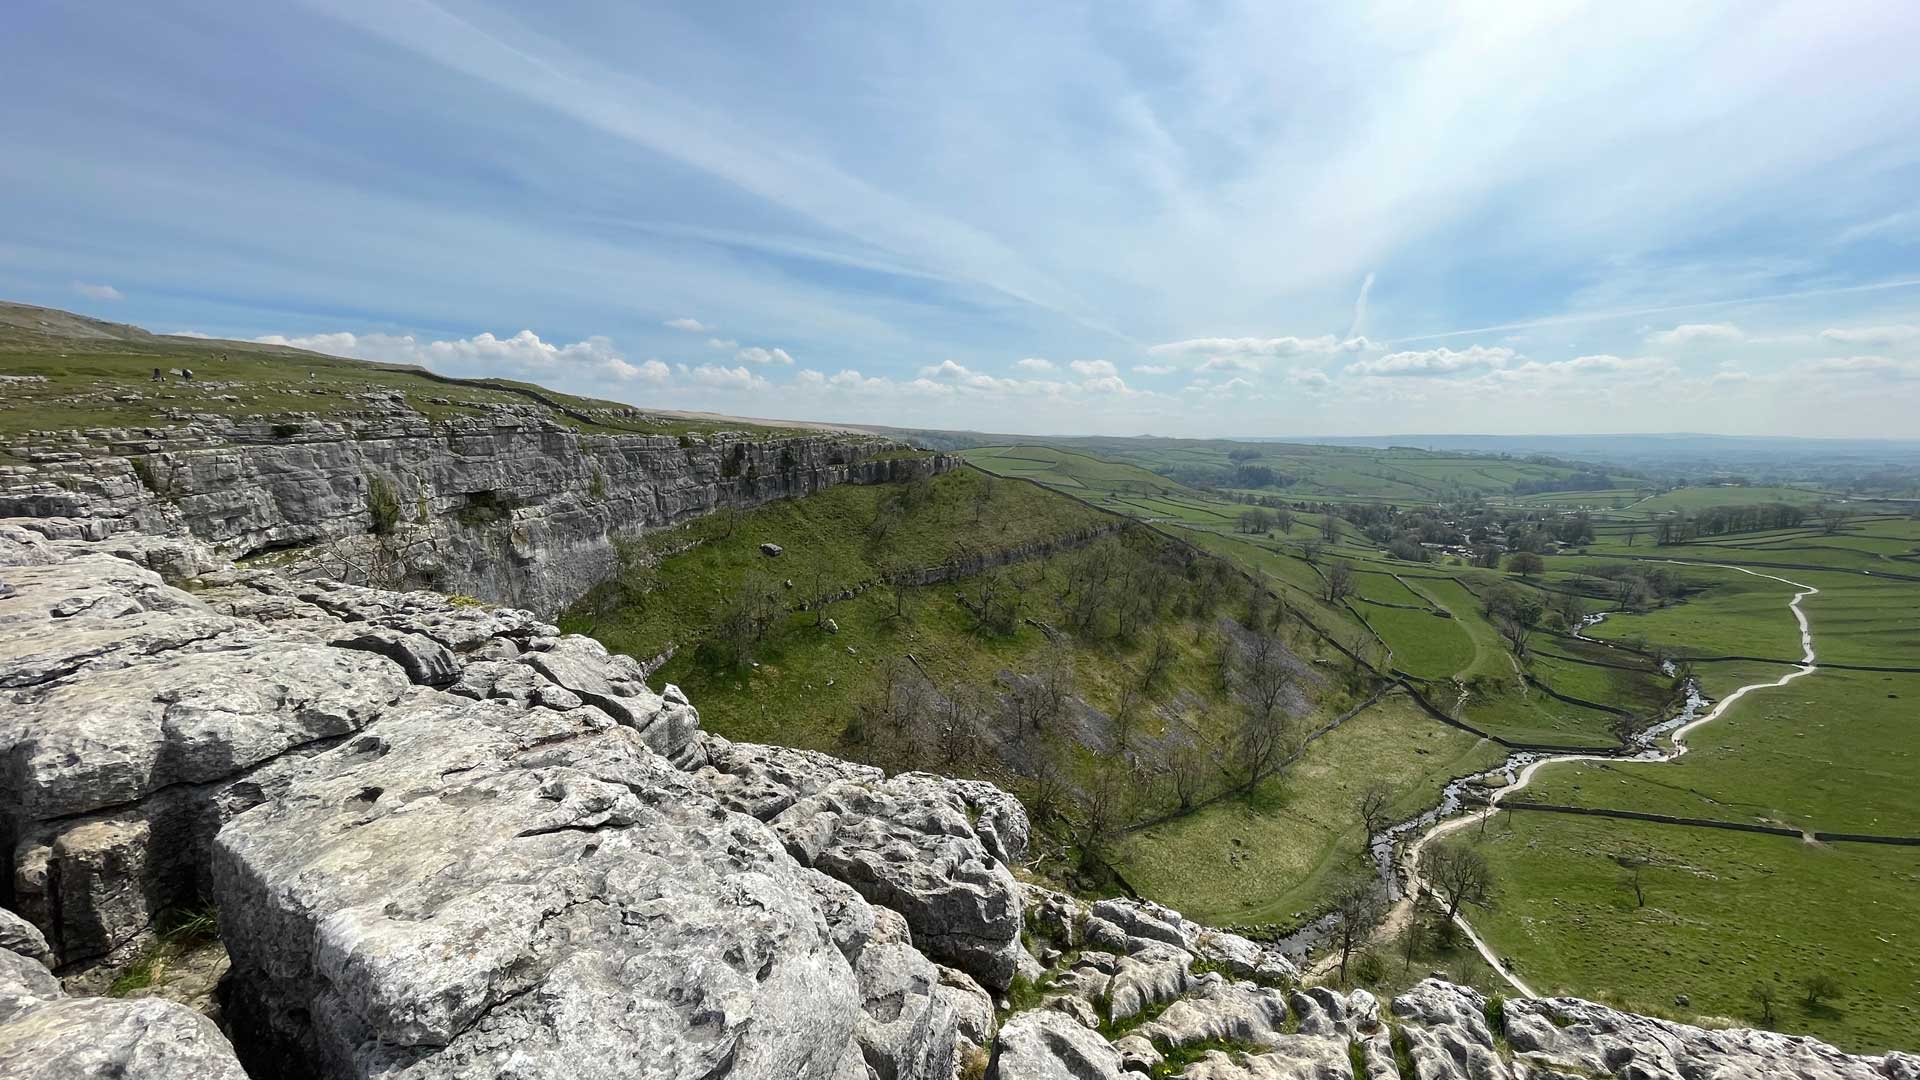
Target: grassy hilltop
[68,372]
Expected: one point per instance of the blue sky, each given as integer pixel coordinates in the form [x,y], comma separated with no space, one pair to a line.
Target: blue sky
[1193,219]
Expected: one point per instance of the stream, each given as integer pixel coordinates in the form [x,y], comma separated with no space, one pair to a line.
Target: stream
[1399,866]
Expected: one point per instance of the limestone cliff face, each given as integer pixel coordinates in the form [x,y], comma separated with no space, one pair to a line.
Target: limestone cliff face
[510,507]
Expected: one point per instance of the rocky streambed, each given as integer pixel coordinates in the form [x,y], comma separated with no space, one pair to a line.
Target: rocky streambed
[443,840]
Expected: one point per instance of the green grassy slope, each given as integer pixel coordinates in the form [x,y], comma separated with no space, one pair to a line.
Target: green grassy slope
[83,373]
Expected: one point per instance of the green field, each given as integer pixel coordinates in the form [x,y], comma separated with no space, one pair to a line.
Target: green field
[1275,857]
[1723,911]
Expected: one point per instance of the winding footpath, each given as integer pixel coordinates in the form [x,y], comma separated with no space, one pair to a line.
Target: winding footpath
[1410,857]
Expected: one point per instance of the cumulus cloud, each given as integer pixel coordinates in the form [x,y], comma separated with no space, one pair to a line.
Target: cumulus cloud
[1035,363]
[652,371]
[754,354]
[724,378]
[723,344]
[1276,348]
[1697,334]
[97,291]
[523,354]
[1435,362]
[1881,336]
[1093,368]
[1228,363]
[691,326]
[1154,369]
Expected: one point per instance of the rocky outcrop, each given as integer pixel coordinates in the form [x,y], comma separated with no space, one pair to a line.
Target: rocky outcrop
[446,841]
[470,886]
[511,505]
[46,1035]
[142,717]
[1570,1035]
[907,843]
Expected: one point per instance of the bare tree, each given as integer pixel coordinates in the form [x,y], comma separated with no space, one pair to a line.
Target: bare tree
[1517,632]
[745,619]
[1126,713]
[1267,674]
[983,491]
[1188,768]
[902,590]
[1764,995]
[1635,864]
[1375,807]
[1108,801]
[1833,517]
[1329,525]
[1283,520]
[1633,534]
[1262,742]
[1310,550]
[1357,908]
[1339,582]
[1460,875]
[1160,655]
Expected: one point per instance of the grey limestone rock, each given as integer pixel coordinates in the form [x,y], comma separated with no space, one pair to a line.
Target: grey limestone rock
[1587,1039]
[1446,1032]
[17,935]
[467,887]
[617,685]
[765,780]
[1155,974]
[907,1028]
[907,844]
[62,1038]
[425,660]
[1293,1057]
[1220,1011]
[1045,1044]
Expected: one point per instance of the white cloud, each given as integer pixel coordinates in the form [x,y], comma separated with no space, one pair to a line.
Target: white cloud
[723,344]
[1093,368]
[190,334]
[652,371]
[1697,334]
[523,354]
[754,354]
[691,326]
[1228,363]
[1441,361]
[1880,366]
[1259,348]
[1154,369]
[1035,363]
[1872,335]
[724,378]
[97,291]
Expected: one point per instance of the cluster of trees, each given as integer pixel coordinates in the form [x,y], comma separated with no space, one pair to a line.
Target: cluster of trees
[1261,520]
[1639,586]
[1681,527]
[1585,480]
